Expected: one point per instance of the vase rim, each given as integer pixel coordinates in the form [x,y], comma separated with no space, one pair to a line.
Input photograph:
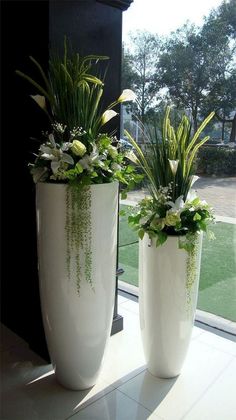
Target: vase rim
[59,184]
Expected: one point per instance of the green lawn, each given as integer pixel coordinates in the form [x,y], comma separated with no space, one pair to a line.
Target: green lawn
[217,291]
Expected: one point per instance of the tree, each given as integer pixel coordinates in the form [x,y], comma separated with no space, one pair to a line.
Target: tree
[190,65]
[139,70]
[225,14]
[222,96]
[196,65]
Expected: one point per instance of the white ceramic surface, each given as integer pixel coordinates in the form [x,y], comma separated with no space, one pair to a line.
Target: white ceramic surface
[77,326]
[166,314]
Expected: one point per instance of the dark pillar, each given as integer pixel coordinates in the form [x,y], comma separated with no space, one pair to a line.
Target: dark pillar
[29,28]
[22,34]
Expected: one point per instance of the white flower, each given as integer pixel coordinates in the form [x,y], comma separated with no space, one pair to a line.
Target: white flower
[66,146]
[94,158]
[178,205]
[58,161]
[194,178]
[127,95]
[173,166]
[108,115]
[112,151]
[60,128]
[115,167]
[58,158]
[86,162]
[78,148]
[172,217]
[52,140]
[46,152]
[39,174]
[191,195]
[131,156]
[40,100]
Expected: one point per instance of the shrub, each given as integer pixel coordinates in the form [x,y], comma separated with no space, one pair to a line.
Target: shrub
[213,160]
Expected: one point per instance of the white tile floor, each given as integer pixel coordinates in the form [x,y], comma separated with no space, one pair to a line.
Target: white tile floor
[205,390]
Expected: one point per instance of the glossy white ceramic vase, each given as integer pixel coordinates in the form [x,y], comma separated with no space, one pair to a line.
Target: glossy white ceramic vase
[77,325]
[168,290]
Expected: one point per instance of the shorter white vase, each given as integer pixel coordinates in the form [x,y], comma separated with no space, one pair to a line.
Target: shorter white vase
[168,289]
[77,323]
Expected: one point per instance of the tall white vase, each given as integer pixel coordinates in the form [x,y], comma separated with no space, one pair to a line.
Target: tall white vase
[77,325]
[168,289]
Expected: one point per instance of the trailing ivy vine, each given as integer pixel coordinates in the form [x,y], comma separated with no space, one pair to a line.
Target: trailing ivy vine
[79,234]
[192,265]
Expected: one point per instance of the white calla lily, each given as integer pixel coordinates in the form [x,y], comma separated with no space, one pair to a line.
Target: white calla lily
[173,166]
[108,115]
[40,101]
[131,156]
[127,95]
[191,195]
[193,180]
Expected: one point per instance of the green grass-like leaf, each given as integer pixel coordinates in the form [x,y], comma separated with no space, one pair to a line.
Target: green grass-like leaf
[170,144]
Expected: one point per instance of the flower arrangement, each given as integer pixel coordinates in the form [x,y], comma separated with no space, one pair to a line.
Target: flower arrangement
[173,207]
[76,150]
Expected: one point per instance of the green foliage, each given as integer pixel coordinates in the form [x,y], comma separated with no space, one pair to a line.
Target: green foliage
[75,150]
[169,159]
[71,91]
[79,234]
[194,65]
[139,71]
[218,161]
[173,208]
[160,218]
[200,61]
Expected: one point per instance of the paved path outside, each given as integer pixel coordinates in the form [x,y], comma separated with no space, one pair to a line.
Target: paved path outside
[220,193]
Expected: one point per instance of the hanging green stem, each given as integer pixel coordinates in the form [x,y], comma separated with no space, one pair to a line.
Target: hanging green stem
[79,234]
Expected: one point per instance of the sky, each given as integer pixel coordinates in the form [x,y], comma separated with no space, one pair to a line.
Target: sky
[164,16]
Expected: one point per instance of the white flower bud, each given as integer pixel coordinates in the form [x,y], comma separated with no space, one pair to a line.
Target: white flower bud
[127,95]
[40,100]
[78,148]
[108,115]
[173,166]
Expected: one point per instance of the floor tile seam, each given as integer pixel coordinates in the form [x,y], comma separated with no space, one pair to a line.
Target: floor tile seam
[215,347]
[227,323]
[87,404]
[214,323]
[230,335]
[204,392]
[121,303]
[129,310]
[124,381]
[137,402]
[115,389]
[197,336]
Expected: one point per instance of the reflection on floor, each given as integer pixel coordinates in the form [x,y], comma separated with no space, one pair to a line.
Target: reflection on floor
[205,390]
